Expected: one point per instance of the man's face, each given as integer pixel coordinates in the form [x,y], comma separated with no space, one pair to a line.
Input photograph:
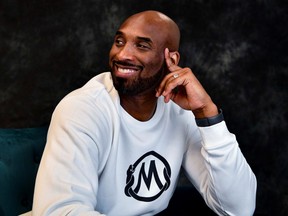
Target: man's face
[137,57]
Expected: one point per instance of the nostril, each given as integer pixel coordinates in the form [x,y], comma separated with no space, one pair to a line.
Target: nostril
[126,53]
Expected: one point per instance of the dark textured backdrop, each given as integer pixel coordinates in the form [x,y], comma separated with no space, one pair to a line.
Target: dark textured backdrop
[238,49]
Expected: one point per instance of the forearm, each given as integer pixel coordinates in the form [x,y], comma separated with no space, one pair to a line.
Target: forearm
[232,181]
[63,185]
[219,171]
[67,177]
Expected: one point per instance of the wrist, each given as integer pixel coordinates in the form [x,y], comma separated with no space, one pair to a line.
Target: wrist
[206,112]
[209,121]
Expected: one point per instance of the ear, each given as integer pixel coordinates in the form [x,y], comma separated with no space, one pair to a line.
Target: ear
[175,57]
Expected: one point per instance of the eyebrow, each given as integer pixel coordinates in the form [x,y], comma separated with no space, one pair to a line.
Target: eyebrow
[146,39]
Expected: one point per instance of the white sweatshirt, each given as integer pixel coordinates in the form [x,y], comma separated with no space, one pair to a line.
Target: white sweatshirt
[99,160]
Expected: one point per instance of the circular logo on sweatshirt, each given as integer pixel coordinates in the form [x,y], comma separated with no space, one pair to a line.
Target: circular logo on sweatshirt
[148,177]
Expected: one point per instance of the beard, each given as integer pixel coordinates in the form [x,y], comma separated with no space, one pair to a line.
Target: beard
[138,85]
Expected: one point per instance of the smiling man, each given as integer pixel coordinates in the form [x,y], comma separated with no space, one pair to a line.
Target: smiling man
[116,145]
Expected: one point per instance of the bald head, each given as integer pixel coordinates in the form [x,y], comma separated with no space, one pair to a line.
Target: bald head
[164,26]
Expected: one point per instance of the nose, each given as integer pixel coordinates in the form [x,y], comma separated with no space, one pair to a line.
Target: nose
[126,52]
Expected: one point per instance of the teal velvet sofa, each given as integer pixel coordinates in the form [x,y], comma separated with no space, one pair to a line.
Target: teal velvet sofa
[20,154]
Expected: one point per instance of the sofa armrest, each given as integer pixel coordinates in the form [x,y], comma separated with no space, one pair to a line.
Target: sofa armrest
[20,155]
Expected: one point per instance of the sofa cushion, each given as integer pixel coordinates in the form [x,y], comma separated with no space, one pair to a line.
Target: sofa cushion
[20,155]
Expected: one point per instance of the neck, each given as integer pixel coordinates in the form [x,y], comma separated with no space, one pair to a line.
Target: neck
[141,108]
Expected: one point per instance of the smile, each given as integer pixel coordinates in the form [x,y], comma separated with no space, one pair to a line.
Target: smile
[126,70]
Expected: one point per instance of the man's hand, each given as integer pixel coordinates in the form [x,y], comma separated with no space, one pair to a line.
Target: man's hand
[183,88]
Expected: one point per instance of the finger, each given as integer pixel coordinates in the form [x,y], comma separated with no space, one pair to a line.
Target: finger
[169,82]
[163,85]
[173,81]
[170,64]
[168,85]
[168,97]
[172,68]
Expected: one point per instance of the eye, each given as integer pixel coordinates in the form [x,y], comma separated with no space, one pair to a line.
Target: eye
[119,41]
[143,45]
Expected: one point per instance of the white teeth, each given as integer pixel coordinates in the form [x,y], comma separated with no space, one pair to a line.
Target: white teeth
[124,70]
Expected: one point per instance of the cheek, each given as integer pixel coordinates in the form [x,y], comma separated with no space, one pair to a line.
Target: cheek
[111,52]
[155,64]
[111,55]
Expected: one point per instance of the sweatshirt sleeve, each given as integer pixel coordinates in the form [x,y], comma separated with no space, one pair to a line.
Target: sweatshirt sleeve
[219,171]
[68,175]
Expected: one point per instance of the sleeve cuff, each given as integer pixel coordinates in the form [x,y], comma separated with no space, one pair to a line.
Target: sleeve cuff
[216,135]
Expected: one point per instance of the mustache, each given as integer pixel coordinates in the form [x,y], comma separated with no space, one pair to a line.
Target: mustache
[127,64]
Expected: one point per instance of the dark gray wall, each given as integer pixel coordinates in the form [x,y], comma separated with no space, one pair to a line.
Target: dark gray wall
[238,49]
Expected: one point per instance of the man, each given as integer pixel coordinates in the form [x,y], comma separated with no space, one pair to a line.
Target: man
[116,145]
